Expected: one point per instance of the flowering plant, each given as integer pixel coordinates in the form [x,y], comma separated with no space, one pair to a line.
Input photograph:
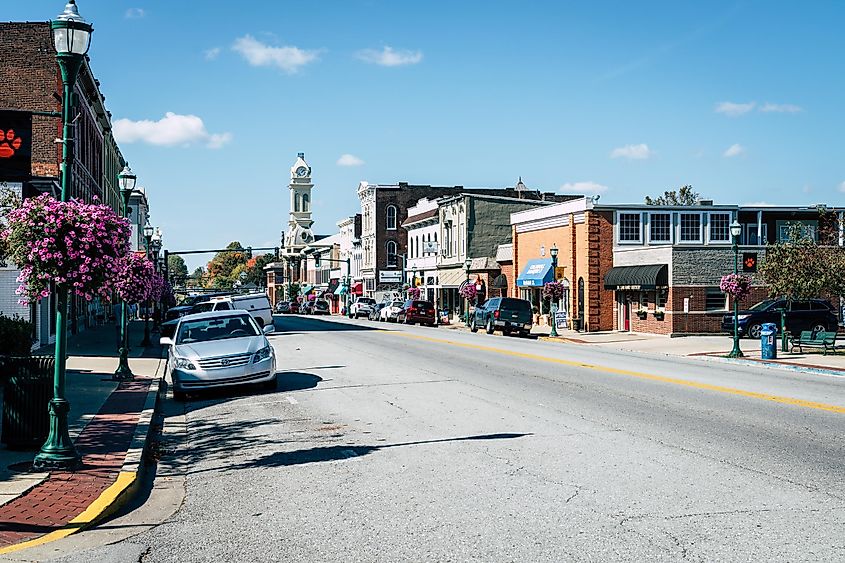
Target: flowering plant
[134,279]
[72,243]
[167,297]
[736,285]
[414,293]
[468,291]
[553,291]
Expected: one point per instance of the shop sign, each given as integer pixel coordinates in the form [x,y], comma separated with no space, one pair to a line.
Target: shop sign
[390,276]
[15,144]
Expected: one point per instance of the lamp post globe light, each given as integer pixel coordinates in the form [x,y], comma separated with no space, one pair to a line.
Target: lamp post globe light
[71,39]
[553,252]
[155,245]
[736,230]
[467,266]
[149,231]
[126,179]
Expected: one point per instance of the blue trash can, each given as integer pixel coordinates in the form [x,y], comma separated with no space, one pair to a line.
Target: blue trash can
[768,341]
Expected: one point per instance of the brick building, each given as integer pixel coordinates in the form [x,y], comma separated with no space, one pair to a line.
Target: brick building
[582,232]
[32,82]
[668,261]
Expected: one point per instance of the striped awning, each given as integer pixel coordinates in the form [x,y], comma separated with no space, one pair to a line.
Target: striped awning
[452,278]
[650,276]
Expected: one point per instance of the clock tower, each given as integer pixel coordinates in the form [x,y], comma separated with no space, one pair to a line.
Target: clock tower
[299,233]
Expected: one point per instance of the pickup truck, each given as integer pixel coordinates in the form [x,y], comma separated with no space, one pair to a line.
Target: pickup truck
[507,314]
[362,307]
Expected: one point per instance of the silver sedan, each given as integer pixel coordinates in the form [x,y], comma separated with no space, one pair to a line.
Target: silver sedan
[219,348]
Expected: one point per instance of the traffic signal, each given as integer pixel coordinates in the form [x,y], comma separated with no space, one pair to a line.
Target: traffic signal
[749,261]
[278,253]
[316,260]
[249,253]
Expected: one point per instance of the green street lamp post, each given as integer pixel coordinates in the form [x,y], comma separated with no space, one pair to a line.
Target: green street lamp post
[71,39]
[156,248]
[467,266]
[736,229]
[149,231]
[553,252]
[126,179]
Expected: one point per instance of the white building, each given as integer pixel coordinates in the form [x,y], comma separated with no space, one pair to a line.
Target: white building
[422,225]
[139,215]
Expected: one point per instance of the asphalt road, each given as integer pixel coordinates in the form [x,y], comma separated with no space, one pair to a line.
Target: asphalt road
[430,444]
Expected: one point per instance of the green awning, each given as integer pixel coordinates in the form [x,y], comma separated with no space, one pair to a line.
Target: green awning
[341,290]
[305,289]
[650,276]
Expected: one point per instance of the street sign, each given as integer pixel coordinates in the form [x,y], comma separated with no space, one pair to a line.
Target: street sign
[15,145]
[390,276]
[562,319]
[749,261]
[686,304]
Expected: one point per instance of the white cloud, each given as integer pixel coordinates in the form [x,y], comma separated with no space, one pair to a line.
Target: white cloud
[171,130]
[632,152]
[842,187]
[135,13]
[734,110]
[734,150]
[588,187]
[758,204]
[389,57]
[349,160]
[211,54]
[289,59]
[780,108]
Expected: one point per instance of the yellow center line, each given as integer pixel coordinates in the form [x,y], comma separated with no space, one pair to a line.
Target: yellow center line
[640,375]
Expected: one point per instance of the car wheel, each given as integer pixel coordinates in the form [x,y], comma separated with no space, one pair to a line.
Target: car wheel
[818,327]
[525,333]
[490,328]
[472,326]
[180,396]
[755,330]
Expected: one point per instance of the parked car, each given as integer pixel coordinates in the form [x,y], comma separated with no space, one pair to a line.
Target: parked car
[219,348]
[258,305]
[306,307]
[375,311]
[294,307]
[507,314]
[414,311]
[187,304]
[390,311]
[320,307]
[168,328]
[283,307]
[813,314]
[361,307]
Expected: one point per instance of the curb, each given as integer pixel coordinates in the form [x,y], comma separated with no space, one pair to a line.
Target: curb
[119,493]
[774,365]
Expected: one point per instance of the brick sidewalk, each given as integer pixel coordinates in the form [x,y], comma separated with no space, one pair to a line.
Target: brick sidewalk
[103,443]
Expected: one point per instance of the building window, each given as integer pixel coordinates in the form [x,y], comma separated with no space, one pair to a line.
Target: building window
[629,227]
[392,250]
[720,227]
[715,300]
[306,202]
[660,227]
[391,217]
[297,205]
[660,298]
[690,227]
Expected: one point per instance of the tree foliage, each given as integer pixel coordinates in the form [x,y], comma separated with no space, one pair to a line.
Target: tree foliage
[685,195]
[800,268]
[222,268]
[176,266]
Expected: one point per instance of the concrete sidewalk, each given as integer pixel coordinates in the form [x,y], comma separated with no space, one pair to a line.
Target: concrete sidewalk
[108,422]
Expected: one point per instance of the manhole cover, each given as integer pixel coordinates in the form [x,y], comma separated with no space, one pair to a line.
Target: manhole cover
[21,467]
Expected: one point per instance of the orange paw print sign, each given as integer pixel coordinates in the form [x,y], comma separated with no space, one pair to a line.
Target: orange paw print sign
[15,145]
[9,143]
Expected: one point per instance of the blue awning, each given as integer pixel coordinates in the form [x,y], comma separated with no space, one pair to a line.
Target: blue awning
[341,290]
[304,289]
[535,274]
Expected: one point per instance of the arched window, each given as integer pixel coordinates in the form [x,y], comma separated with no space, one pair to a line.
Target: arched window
[392,249]
[297,203]
[306,202]
[391,217]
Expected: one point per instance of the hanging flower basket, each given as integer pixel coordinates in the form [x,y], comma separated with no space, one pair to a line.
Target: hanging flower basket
[553,291]
[135,281]
[70,243]
[659,315]
[736,286]
[469,292]
[642,314]
[414,293]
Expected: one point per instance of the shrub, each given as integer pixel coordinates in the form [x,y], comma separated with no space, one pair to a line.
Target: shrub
[15,336]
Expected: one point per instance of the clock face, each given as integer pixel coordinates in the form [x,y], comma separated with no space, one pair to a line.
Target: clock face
[301,171]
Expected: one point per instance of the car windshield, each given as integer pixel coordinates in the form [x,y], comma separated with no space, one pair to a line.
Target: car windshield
[397,304]
[216,328]
[515,304]
[367,301]
[423,304]
[202,308]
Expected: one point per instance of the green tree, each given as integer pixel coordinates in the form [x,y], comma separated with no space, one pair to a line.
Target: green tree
[221,268]
[293,290]
[198,276]
[9,200]
[685,195]
[177,267]
[255,269]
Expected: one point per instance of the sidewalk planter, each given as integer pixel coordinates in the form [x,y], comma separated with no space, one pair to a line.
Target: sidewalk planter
[27,390]
[576,324]
[642,315]
[658,315]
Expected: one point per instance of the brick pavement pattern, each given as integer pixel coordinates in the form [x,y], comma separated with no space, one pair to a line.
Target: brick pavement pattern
[64,495]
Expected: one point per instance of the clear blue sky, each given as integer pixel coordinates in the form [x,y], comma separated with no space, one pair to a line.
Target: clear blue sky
[740,99]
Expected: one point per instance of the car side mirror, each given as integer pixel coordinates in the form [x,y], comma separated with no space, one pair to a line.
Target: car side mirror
[269,329]
[165,341]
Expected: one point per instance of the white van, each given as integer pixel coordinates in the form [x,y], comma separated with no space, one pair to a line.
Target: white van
[257,304]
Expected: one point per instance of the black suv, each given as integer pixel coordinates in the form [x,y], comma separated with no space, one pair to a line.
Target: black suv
[813,314]
[507,314]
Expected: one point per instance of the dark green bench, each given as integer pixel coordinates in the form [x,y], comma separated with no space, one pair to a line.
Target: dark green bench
[822,339]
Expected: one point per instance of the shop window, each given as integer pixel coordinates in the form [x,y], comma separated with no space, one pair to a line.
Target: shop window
[715,300]
[629,227]
[661,296]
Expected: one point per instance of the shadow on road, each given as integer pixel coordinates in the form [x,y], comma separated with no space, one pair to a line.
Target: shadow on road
[286,324]
[334,453]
